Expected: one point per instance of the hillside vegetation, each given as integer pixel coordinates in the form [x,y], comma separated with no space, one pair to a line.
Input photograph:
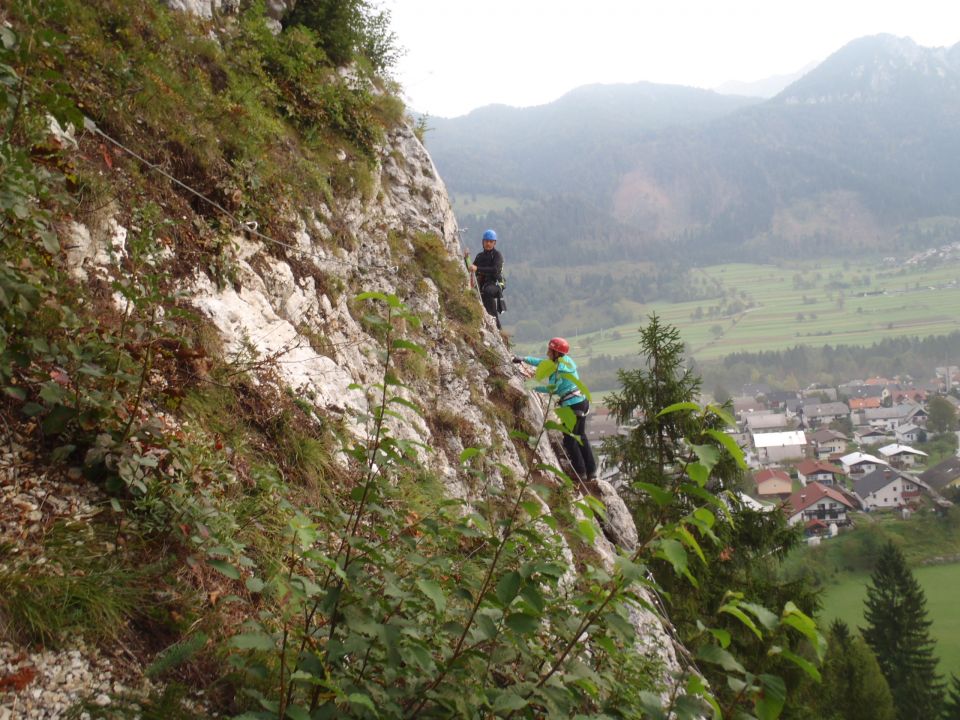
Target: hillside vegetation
[263,456]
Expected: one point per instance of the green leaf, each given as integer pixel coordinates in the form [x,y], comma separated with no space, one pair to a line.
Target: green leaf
[508,701]
[630,570]
[673,552]
[255,584]
[730,445]
[731,609]
[372,296]
[56,421]
[533,597]
[523,623]
[567,416]
[679,407]
[723,637]
[770,701]
[687,538]
[17,393]
[579,383]
[295,712]
[433,591]
[224,568]
[722,414]
[718,656]
[253,641]
[698,473]
[808,667]
[508,587]
[660,496]
[707,454]
[407,404]
[586,530]
[363,701]
[768,619]
[401,344]
[620,626]
[485,626]
[800,621]
[545,369]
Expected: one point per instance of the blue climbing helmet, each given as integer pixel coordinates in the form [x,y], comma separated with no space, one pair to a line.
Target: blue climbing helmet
[490,235]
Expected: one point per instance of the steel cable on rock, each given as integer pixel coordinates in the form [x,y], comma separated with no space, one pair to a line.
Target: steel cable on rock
[249,226]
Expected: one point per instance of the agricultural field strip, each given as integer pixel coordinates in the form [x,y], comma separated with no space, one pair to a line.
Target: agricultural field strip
[918,302]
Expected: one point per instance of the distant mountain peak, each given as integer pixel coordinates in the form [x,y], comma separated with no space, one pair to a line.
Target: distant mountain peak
[877,68]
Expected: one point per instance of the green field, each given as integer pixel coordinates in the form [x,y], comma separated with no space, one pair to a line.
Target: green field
[798,304]
[941,585]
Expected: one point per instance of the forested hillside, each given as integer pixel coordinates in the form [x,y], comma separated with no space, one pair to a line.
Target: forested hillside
[855,157]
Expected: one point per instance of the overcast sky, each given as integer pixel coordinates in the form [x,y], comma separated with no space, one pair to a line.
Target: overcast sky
[462,54]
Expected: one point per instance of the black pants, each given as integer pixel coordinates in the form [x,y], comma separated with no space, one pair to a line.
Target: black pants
[577,446]
[490,293]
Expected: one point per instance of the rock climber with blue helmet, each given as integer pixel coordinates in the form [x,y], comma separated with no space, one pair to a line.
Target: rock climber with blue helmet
[488,266]
[568,393]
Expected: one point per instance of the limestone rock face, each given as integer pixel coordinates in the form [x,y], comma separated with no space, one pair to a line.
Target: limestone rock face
[289,305]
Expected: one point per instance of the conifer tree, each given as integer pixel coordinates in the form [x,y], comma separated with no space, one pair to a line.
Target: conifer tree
[853,687]
[898,632]
[951,707]
[654,448]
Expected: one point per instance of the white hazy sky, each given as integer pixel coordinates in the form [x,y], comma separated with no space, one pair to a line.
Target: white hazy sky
[462,54]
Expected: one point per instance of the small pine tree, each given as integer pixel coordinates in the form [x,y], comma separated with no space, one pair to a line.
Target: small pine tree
[853,687]
[898,632]
[951,706]
[655,446]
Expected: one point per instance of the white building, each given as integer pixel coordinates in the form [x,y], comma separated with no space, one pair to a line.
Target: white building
[780,446]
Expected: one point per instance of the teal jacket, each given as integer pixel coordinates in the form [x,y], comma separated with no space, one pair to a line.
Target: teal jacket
[562,387]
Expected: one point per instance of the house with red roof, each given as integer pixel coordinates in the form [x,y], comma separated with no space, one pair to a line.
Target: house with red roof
[818,502]
[809,471]
[773,483]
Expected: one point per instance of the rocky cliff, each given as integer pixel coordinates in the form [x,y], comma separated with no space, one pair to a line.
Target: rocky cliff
[278,306]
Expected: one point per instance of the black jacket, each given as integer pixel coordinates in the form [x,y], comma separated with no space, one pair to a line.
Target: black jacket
[489,266]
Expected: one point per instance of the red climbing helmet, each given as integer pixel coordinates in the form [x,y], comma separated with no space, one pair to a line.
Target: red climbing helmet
[559,345]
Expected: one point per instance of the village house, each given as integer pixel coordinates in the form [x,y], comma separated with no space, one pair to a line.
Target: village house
[871,436]
[860,390]
[857,464]
[761,421]
[818,502]
[773,483]
[886,488]
[909,433]
[743,405]
[943,475]
[779,446]
[891,417]
[777,399]
[867,403]
[828,442]
[821,414]
[901,456]
[810,471]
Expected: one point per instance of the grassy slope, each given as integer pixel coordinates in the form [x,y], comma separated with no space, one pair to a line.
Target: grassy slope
[922,301]
[941,585]
[929,543]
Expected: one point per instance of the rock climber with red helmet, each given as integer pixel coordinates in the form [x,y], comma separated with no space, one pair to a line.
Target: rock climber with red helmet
[488,265]
[575,444]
